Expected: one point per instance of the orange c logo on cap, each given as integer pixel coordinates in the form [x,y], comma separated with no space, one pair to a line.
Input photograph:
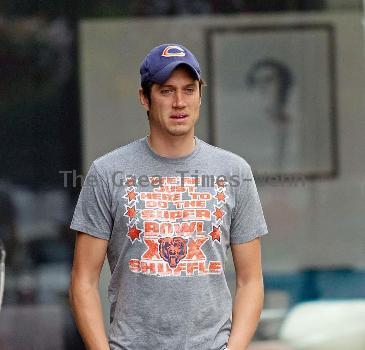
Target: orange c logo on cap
[166,52]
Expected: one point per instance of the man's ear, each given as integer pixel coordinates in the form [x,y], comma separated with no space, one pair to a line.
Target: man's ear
[143,100]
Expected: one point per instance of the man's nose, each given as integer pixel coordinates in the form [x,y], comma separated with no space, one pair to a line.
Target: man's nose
[179,100]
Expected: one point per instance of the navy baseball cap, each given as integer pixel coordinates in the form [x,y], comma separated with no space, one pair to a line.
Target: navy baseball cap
[163,59]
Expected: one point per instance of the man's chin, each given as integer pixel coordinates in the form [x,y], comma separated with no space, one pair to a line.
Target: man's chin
[180,132]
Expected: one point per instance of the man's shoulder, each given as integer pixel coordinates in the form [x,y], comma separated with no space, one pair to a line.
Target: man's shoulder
[118,156]
[225,156]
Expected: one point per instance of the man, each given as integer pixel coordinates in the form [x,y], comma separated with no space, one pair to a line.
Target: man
[165,209]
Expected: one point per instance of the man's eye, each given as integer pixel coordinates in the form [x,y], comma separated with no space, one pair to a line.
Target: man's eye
[189,90]
[166,91]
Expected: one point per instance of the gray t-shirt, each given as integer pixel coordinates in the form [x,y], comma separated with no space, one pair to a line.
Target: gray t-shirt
[169,222]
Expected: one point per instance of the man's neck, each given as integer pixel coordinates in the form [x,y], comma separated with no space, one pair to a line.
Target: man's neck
[172,147]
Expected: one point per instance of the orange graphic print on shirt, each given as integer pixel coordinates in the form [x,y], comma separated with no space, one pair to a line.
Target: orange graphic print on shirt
[174,221]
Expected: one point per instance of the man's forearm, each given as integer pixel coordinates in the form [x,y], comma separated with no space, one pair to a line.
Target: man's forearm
[87,310]
[247,308]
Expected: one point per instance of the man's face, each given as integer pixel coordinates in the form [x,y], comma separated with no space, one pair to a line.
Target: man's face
[175,104]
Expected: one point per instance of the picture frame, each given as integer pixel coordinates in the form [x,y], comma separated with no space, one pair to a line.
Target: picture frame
[272,98]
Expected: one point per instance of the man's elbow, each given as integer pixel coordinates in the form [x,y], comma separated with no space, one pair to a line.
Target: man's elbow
[79,289]
[71,296]
[252,281]
[75,291]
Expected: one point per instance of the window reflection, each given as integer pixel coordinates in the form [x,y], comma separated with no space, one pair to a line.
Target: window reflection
[37,84]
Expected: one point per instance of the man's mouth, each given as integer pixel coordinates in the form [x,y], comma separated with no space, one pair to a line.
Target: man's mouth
[178,116]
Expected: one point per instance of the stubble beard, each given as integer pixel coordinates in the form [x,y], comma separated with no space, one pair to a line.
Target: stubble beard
[178,132]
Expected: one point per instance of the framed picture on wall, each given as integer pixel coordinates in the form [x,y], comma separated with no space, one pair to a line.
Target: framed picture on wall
[272,98]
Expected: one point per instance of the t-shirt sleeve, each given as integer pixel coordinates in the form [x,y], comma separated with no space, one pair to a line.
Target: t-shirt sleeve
[248,221]
[92,213]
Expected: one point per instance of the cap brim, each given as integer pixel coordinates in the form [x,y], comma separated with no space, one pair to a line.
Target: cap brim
[162,75]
